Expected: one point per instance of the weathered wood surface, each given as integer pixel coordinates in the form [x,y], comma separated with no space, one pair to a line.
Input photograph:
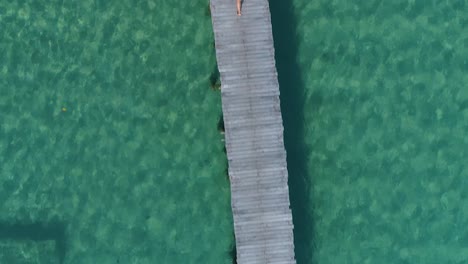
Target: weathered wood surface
[254,132]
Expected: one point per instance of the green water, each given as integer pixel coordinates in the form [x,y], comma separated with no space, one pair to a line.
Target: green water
[109,151]
[109,146]
[375,105]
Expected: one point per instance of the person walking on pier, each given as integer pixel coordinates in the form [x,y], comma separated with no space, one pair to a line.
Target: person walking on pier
[239,8]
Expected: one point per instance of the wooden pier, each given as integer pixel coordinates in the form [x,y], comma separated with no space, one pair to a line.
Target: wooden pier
[253,132]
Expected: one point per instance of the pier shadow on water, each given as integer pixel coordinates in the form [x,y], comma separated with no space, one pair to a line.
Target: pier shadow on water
[54,231]
[292,108]
[233,250]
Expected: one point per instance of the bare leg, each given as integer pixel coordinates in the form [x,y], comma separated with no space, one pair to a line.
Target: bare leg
[239,7]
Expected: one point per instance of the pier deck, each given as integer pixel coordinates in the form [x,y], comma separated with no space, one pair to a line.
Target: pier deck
[253,132]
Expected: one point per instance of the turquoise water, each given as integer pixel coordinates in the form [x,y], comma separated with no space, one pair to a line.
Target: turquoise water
[374,96]
[109,146]
[109,150]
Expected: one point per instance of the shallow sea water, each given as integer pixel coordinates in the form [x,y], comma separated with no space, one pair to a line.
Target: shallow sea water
[108,136]
[385,118]
[109,148]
